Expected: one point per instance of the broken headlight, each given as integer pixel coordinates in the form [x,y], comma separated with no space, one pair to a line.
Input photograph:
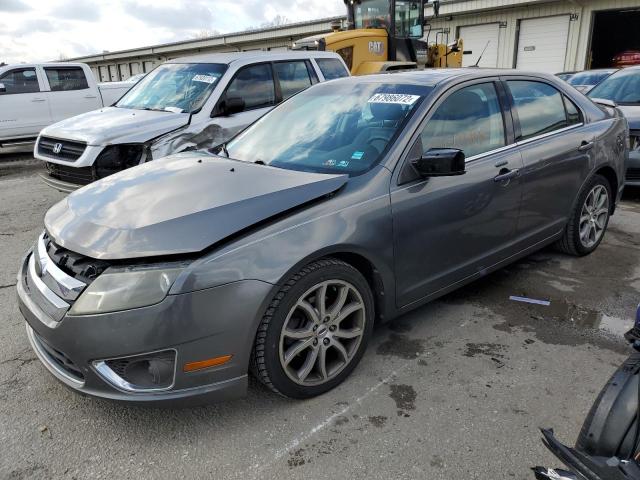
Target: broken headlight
[116,158]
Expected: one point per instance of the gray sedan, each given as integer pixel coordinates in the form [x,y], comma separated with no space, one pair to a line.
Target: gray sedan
[351,203]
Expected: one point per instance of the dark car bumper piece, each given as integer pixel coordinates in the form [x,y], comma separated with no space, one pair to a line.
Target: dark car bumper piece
[632,177]
[196,326]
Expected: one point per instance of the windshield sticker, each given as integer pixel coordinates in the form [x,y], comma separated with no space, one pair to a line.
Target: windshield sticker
[330,163]
[343,163]
[204,78]
[397,98]
[357,155]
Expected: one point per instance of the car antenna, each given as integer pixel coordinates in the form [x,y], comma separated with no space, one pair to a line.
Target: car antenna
[484,50]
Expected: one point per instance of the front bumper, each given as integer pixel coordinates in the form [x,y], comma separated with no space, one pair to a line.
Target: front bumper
[198,325]
[66,187]
[632,177]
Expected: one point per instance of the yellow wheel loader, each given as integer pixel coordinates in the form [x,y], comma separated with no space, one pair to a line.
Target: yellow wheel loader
[382,36]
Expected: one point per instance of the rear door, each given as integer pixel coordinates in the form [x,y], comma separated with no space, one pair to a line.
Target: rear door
[70,92]
[557,149]
[24,107]
[447,229]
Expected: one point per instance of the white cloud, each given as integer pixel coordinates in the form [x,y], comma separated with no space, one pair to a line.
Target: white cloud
[41,30]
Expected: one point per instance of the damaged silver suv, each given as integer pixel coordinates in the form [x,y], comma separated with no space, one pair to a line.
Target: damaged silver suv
[186,103]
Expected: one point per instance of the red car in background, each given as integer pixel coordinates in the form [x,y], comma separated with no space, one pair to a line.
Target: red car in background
[627,58]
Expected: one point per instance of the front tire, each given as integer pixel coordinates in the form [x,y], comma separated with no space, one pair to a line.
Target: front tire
[589,218]
[315,330]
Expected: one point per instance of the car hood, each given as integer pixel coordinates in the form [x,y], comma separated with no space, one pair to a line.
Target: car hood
[632,114]
[180,204]
[116,125]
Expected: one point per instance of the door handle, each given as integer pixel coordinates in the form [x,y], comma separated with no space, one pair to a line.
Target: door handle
[584,146]
[38,100]
[506,175]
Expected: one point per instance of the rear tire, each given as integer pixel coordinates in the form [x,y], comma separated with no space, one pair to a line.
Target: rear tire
[589,219]
[315,330]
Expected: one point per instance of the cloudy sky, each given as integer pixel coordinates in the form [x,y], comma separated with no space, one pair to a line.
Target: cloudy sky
[40,30]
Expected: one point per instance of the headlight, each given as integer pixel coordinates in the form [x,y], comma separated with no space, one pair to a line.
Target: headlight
[116,158]
[126,288]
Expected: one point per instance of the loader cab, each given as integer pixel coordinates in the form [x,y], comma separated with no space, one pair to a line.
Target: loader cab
[401,19]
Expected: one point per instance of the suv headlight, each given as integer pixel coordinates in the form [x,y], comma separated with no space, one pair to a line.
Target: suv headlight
[126,288]
[116,158]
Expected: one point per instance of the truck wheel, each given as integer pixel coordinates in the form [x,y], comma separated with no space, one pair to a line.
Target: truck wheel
[315,330]
[589,218]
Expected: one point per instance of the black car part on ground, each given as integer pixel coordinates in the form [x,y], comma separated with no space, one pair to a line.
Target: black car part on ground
[608,445]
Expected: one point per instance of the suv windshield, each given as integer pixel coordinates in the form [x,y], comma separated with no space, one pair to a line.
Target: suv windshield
[589,77]
[174,87]
[622,87]
[341,127]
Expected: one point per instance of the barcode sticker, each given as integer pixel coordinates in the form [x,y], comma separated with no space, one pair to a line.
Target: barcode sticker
[398,98]
[204,78]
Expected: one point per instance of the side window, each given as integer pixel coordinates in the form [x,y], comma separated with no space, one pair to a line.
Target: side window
[63,79]
[22,80]
[331,68]
[254,84]
[573,114]
[470,119]
[293,77]
[539,106]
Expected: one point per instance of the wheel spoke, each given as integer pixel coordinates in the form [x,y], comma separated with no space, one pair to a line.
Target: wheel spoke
[309,363]
[322,362]
[347,334]
[343,351]
[321,299]
[584,218]
[296,349]
[299,334]
[601,221]
[339,303]
[346,311]
[308,309]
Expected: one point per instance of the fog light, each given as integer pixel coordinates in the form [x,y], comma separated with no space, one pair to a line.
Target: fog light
[140,373]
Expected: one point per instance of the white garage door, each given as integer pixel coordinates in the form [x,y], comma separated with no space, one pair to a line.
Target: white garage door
[542,44]
[475,39]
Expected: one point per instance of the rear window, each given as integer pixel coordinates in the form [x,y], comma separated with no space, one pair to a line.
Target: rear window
[331,68]
[293,77]
[540,107]
[66,78]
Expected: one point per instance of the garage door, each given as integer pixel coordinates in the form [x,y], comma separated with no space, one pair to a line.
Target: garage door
[542,44]
[475,39]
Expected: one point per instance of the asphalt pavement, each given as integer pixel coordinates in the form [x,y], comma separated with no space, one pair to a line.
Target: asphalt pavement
[456,389]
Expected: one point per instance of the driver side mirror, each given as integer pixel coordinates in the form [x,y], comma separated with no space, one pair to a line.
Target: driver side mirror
[3,89]
[229,106]
[440,162]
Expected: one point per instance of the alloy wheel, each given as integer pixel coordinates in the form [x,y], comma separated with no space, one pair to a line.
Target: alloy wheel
[594,216]
[322,332]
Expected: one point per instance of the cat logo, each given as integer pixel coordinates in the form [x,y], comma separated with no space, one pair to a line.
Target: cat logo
[377,48]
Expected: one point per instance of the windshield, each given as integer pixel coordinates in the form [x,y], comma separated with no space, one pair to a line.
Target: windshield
[589,78]
[174,87]
[372,14]
[330,128]
[622,87]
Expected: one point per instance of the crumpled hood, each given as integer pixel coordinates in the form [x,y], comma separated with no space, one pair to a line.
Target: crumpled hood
[632,114]
[180,204]
[116,125]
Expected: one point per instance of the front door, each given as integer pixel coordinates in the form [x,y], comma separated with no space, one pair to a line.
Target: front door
[24,108]
[447,229]
[70,93]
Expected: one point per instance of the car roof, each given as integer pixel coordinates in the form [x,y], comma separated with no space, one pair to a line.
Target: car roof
[435,76]
[252,57]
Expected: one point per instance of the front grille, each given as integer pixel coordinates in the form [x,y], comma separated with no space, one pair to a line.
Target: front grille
[68,150]
[85,269]
[634,140]
[75,175]
[61,360]
[633,174]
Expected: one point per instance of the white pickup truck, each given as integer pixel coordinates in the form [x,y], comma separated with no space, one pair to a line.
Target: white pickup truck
[33,96]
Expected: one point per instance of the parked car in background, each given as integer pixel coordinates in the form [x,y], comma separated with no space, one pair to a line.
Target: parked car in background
[33,96]
[186,103]
[623,88]
[627,58]
[565,75]
[353,202]
[585,81]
